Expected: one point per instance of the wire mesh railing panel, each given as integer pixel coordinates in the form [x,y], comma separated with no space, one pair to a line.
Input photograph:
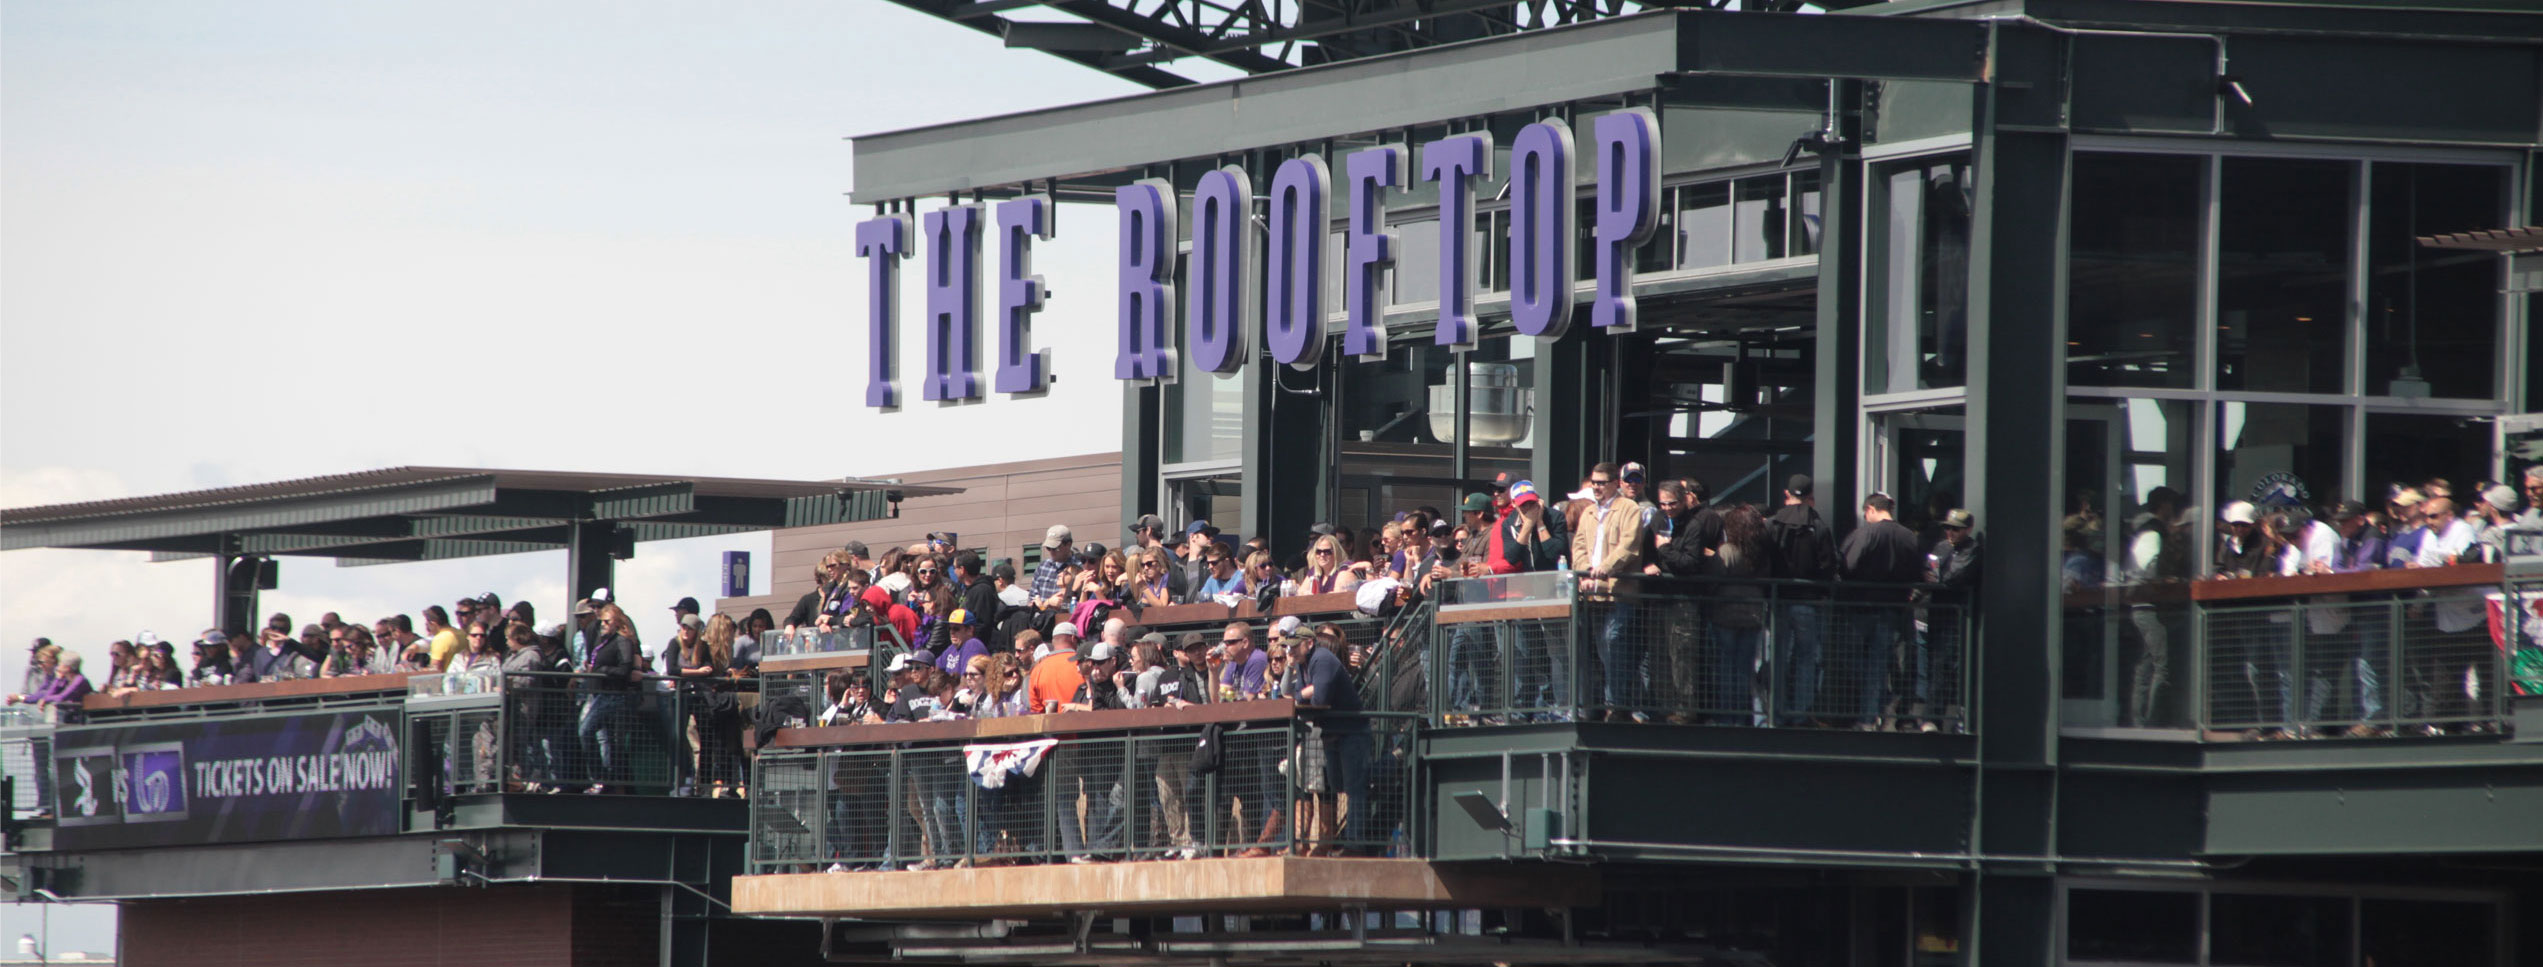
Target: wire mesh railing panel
[1089,785]
[26,758]
[788,815]
[476,752]
[861,800]
[1249,793]
[2448,671]
[2329,667]
[1171,818]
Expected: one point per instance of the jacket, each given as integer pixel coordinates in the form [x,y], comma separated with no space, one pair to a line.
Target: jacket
[1800,547]
[1619,530]
[1682,555]
[1956,569]
[1882,552]
[1516,556]
[613,658]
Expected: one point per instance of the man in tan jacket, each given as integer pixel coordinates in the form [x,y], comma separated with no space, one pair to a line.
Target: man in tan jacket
[1608,543]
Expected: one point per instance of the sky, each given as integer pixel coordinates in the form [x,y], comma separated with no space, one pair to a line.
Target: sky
[261,240]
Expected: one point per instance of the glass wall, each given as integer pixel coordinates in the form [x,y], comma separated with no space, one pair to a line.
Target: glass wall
[2279,454]
[2132,303]
[1916,320]
[2432,325]
[2284,230]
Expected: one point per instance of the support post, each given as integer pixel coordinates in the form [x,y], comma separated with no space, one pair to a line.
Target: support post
[1836,428]
[1569,408]
[1286,428]
[1142,425]
[235,581]
[2017,342]
[588,564]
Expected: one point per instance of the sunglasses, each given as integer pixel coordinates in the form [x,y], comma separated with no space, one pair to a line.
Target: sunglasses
[1232,641]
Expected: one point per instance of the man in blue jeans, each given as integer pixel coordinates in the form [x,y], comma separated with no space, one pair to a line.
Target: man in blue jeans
[1607,544]
[1882,552]
[1802,549]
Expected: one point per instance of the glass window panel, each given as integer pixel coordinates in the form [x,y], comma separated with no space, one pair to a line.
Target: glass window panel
[1416,261]
[2407,448]
[2433,311]
[2128,469]
[2283,240]
[2426,933]
[1805,224]
[2277,454]
[1919,326]
[1204,415]
[2132,291]
[1759,225]
[1704,225]
[2139,926]
[2278,931]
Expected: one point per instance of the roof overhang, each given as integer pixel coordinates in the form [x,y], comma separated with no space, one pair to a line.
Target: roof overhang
[1602,60]
[436,513]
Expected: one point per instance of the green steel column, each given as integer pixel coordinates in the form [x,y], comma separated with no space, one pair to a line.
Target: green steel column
[589,565]
[1287,486]
[1836,430]
[2016,382]
[1568,408]
[1142,428]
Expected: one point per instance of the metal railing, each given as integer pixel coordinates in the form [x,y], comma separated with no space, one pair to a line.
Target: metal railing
[808,641]
[574,732]
[1537,648]
[2222,664]
[26,757]
[1327,785]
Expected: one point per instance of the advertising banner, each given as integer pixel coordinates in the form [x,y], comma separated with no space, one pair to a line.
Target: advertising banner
[227,780]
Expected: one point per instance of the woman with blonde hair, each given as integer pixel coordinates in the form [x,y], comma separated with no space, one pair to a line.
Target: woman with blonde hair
[1001,687]
[1326,571]
[609,706]
[705,664]
[1155,584]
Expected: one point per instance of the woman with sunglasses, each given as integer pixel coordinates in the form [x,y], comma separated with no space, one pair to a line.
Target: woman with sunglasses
[1155,585]
[1326,570]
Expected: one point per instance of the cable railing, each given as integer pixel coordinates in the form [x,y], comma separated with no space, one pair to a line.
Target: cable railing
[1536,647]
[1238,779]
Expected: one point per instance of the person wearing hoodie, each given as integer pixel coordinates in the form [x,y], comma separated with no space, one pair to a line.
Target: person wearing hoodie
[1800,547]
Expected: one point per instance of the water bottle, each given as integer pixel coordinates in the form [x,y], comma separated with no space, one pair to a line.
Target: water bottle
[1395,843]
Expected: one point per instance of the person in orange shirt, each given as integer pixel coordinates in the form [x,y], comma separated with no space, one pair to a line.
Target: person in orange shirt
[1055,678]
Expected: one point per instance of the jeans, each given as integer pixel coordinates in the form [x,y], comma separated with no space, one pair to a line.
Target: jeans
[1799,640]
[1347,766]
[1471,660]
[604,717]
[2374,649]
[1733,699]
[1624,681]
[941,809]
[1543,675]
[2152,670]
[1863,660]
[1081,773]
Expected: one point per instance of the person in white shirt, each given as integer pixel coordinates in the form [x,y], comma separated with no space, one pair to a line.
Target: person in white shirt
[2443,688]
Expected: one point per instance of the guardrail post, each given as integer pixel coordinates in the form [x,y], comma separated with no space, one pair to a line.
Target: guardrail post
[1774,652]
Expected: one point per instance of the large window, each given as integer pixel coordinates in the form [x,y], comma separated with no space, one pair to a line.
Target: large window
[2432,326]
[2283,239]
[1917,322]
[2132,301]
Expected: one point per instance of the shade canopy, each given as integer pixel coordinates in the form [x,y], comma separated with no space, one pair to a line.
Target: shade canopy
[438,513]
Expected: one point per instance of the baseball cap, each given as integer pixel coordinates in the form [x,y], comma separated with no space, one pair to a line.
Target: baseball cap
[960,616]
[1322,529]
[1103,651]
[600,596]
[856,549]
[686,605]
[215,638]
[1476,502]
[1959,518]
[691,620]
[585,606]
[1157,638]
[1150,523]
[2348,510]
[1501,481]
[900,663]
[2500,496]
[1523,492]
[1287,628]
[943,537]
[1193,641]
[1064,630]
[1056,536]
[1799,485]
[2238,512]
[1632,471]
[145,639]
[1200,526]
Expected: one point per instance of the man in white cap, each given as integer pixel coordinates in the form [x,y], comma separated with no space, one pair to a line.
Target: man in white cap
[1045,591]
[2242,551]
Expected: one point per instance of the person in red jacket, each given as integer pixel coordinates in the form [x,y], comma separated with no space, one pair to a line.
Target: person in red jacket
[887,611]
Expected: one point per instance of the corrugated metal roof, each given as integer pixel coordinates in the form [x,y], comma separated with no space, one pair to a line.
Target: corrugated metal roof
[354,483]
[2526,238]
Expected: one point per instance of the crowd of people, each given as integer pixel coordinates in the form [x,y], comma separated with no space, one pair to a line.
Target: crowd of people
[2419,525]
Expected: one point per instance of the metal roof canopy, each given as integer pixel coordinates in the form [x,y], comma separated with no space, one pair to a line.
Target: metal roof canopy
[440,513]
[2523,245]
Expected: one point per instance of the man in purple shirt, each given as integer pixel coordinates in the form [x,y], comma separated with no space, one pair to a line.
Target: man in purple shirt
[962,643]
[1248,669]
[2362,548]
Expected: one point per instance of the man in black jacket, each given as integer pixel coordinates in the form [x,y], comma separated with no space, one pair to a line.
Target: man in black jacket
[609,702]
[1678,551]
[1801,549]
[1955,562]
[1881,552]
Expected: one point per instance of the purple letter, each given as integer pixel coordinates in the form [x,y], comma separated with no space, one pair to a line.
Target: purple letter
[1020,368]
[1299,194]
[1541,227]
[882,242]
[1220,272]
[1371,250]
[1147,279]
[1628,209]
[1455,163]
[953,303]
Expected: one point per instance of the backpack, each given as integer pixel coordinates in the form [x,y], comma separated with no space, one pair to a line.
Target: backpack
[1797,549]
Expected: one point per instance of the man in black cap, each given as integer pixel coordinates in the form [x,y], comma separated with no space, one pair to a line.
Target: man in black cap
[1956,563]
[1192,561]
[1801,548]
[1882,553]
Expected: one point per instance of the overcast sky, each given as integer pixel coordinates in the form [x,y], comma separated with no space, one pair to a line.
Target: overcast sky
[256,240]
